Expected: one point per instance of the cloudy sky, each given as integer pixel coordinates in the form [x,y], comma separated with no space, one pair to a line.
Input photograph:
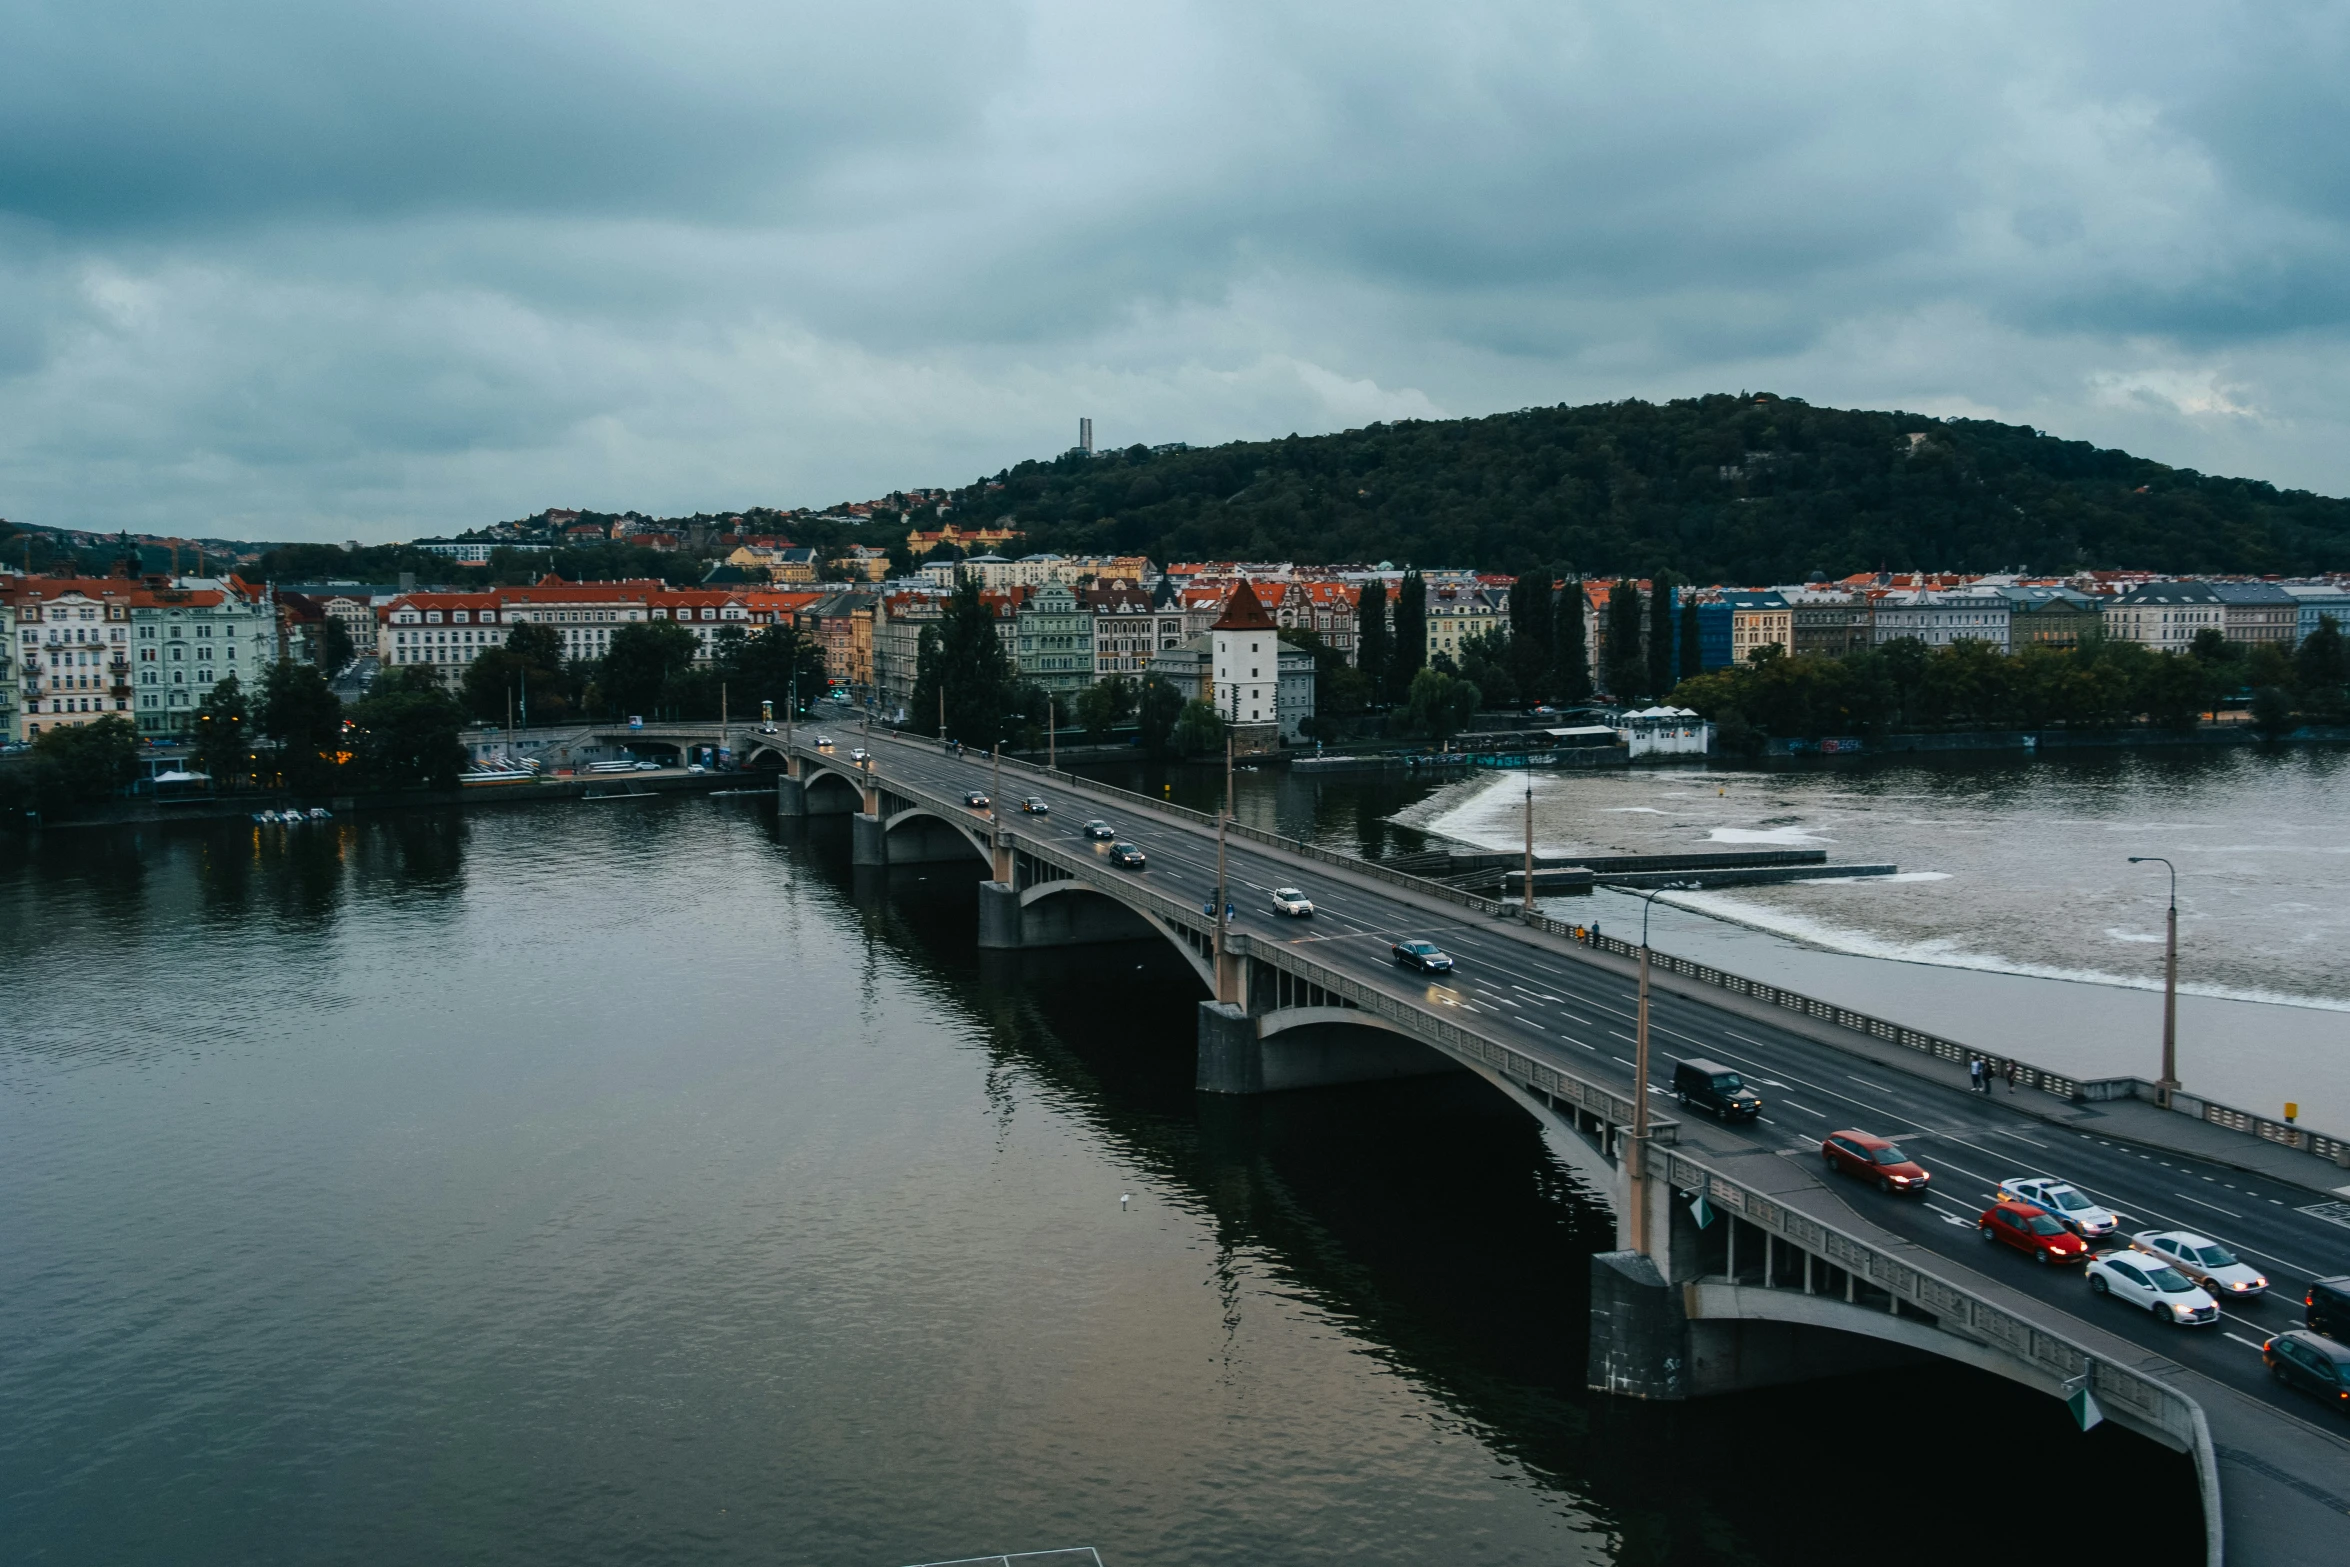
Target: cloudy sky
[384,268]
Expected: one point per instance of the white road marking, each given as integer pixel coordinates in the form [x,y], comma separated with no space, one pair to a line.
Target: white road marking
[2241,1339]
[2200,1203]
[1865,1083]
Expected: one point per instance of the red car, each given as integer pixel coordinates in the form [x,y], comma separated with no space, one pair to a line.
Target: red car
[1874,1159]
[2042,1234]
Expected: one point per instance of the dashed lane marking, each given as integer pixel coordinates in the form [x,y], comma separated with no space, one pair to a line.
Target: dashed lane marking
[2200,1203]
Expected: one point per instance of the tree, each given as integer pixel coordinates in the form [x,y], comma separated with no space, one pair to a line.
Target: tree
[523,676]
[305,718]
[1410,650]
[1660,634]
[84,764]
[1692,639]
[965,662]
[642,664]
[1440,705]
[2321,669]
[1627,669]
[2272,712]
[334,646]
[1105,704]
[2174,691]
[224,733]
[2210,645]
[1571,635]
[1199,729]
[769,665]
[1485,659]
[1156,711]
[407,732]
[1531,652]
[1371,639]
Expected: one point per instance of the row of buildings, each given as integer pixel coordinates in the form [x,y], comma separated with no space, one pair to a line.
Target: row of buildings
[149,648]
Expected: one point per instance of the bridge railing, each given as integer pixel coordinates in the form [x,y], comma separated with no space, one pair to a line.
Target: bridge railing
[2145,1402]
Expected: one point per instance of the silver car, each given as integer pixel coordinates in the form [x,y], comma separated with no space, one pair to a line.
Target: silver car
[2083,1217]
[1290,901]
[2202,1259]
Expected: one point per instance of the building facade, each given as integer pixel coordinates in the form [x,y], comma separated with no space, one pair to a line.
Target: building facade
[1055,646]
[1125,628]
[899,619]
[1757,621]
[1245,658]
[1938,619]
[2259,614]
[2166,616]
[1455,614]
[2314,601]
[1828,622]
[2050,617]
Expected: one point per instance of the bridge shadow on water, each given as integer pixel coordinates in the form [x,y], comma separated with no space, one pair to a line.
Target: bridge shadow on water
[1426,1218]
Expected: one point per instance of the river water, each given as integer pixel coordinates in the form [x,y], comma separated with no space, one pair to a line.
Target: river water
[635,1182]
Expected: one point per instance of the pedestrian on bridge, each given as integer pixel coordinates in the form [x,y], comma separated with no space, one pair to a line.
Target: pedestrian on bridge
[2011,1077]
[1974,1072]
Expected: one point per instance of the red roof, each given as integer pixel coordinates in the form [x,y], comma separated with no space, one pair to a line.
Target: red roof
[1243,612]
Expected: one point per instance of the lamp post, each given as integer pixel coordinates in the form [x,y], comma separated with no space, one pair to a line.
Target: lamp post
[1527,904]
[1640,1090]
[2170,985]
[1223,816]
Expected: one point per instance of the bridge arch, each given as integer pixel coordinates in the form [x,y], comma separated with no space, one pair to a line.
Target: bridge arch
[926,833]
[1066,911]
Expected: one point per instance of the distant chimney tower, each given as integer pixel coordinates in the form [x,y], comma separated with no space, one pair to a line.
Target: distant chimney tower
[1085,436]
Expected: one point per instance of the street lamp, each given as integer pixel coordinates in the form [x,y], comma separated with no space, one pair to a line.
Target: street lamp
[1640,1088]
[2170,986]
[1528,903]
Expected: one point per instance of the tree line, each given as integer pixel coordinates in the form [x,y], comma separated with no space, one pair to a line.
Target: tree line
[2104,683]
[1741,489]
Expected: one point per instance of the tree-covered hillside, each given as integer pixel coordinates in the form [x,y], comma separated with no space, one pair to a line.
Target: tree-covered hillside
[1747,489]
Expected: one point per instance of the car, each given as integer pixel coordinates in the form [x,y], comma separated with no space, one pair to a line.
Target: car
[824,742]
[1425,956]
[2036,1232]
[1100,831]
[2312,1363]
[1035,807]
[1127,857]
[2326,1307]
[975,800]
[2204,1260]
[1295,904]
[2160,1288]
[859,754]
[2083,1217]
[648,767]
[767,729]
[1874,1158]
[1716,1089]
[695,767]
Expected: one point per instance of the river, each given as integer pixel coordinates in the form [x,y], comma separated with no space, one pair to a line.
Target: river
[634,1182]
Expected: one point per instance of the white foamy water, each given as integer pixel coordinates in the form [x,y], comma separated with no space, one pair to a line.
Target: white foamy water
[2016,908]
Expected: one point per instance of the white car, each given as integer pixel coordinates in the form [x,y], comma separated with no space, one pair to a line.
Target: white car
[858,753]
[2202,1259]
[1290,901]
[2136,1277]
[2078,1214]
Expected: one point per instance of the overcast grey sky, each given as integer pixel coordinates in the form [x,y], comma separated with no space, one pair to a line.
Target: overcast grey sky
[279,269]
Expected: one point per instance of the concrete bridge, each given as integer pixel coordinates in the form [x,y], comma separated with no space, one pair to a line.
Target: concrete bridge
[1738,1265]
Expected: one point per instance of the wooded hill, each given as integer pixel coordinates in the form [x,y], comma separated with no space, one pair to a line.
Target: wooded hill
[1747,489]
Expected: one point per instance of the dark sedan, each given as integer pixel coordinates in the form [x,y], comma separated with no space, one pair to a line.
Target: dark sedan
[1126,856]
[1100,831]
[975,800]
[1425,956]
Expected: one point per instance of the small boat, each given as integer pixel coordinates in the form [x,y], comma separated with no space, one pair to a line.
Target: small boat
[319,813]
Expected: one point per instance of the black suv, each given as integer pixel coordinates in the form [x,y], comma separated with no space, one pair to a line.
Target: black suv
[1710,1086]
[2328,1305]
[2312,1364]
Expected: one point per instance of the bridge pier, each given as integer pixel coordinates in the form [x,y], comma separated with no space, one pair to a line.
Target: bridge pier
[791,797]
[999,917]
[868,842]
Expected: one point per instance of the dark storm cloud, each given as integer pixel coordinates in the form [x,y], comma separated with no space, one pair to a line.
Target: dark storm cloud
[401,267]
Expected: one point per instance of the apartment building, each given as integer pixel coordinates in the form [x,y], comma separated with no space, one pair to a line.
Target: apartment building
[1940,618]
[2056,617]
[1055,640]
[2259,614]
[1457,613]
[1125,628]
[1828,622]
[2166,616]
